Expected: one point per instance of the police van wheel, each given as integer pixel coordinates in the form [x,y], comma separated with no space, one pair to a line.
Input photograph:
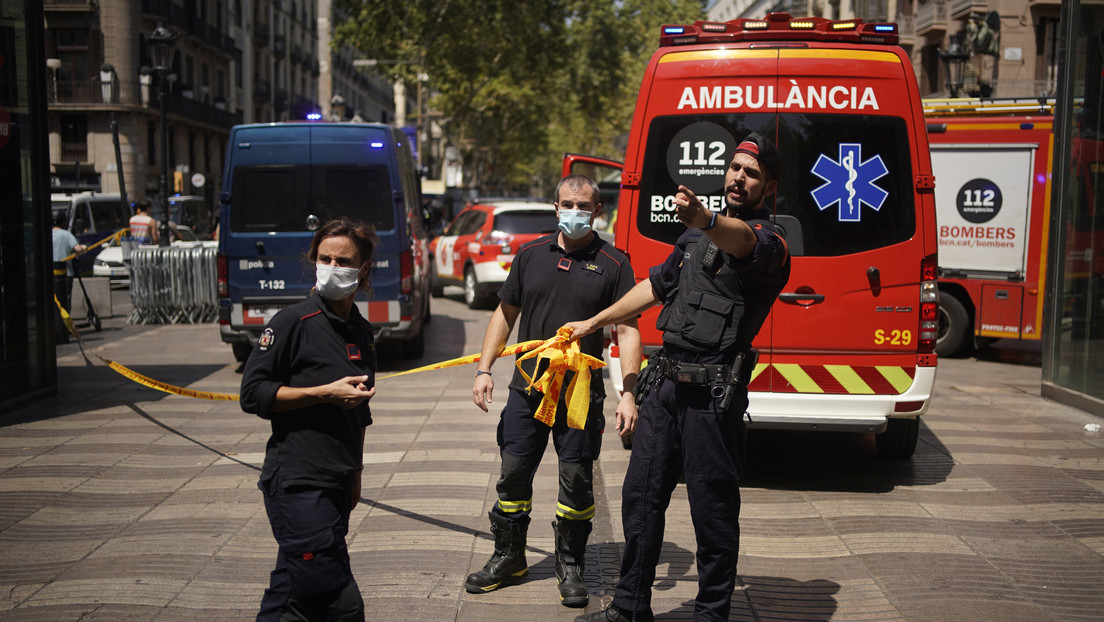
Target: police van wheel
[953,338]
[898,442]
[414,347]
[241,350]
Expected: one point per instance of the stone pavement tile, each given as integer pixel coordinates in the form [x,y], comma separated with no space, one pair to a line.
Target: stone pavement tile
[921,582]
[99,612]
[196,535]
[138,567]
[142,592]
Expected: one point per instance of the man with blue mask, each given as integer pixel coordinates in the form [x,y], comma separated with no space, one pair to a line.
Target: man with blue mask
[558,277]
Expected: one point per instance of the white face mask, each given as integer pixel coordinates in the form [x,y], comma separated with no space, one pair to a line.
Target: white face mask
[334,283]
[575,223]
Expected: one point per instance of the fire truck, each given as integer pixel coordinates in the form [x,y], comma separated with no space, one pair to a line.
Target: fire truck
[992,160]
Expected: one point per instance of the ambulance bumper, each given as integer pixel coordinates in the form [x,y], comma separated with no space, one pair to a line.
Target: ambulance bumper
[840,412]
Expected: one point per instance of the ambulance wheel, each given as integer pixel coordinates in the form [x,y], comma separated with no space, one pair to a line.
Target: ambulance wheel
[898,442]
[953,338]
[241,349]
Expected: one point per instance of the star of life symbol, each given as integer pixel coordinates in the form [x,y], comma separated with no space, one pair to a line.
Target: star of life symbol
[849,182]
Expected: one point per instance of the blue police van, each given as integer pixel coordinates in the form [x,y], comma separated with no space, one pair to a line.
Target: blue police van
[285,180]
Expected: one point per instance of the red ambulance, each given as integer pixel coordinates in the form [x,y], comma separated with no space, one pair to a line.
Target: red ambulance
[849,345]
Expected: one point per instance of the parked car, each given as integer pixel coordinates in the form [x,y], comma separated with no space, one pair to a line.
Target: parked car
[477,249]
[111,263]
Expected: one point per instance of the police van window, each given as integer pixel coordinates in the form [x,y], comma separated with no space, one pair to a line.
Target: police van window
[846,186]
[107,215]
[356,192]
[269,198]
[525,222]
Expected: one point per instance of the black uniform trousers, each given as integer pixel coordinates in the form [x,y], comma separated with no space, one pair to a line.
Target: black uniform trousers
[313,580]
[522,441]
[63,291]
[681,429]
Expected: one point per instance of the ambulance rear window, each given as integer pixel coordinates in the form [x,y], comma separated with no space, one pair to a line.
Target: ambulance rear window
[846,187]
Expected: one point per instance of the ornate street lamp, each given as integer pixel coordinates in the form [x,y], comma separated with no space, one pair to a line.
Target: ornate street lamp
[954,61]
[161,47]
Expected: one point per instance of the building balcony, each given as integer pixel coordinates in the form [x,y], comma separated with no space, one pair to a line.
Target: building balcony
[69,5]
[279,46]
[173,14]
[906,29]
[960,9]
[260,34]
[73,151]
[931,16]
[261,92]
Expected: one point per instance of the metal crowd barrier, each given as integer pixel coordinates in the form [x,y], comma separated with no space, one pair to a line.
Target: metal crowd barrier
[175,284]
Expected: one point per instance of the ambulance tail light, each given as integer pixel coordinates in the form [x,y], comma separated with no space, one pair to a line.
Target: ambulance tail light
[406,272]
[223,277]
[929,305]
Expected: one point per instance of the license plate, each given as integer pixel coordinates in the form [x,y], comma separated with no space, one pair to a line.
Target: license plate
[259,314]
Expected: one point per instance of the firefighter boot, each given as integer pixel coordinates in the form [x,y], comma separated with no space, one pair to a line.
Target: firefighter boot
[507,564]
[571,540]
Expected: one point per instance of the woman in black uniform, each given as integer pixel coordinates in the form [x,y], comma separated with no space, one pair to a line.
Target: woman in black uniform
[311,375]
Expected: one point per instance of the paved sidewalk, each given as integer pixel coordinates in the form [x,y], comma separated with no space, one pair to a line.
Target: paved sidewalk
[118,502]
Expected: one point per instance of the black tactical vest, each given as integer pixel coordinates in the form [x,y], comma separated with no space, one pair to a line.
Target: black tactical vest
[704,312]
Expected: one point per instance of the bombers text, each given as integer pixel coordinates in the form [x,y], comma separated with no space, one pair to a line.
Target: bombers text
[763,96]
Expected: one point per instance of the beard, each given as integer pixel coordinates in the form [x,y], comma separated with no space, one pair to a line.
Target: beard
[736,208]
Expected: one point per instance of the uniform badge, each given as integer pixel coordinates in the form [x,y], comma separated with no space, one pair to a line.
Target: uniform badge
[267,337]
[565,264]
[593,267]
[354,352]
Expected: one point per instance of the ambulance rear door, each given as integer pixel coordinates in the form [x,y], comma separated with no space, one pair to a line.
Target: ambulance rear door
[848,322]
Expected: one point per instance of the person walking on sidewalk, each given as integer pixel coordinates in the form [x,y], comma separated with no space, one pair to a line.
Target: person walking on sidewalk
[143,228]
[312,374]
[65,244]
[717,287]
[557,277]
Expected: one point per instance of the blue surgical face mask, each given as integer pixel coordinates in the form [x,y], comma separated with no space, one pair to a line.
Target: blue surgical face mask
[334,283]
[574,223]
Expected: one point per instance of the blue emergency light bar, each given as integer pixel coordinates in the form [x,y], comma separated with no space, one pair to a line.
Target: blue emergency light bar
[780,27]
[314,116]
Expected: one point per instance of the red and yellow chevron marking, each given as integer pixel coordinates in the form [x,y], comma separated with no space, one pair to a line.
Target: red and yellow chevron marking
[832,379]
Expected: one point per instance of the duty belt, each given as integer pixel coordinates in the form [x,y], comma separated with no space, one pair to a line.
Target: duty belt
[722,378]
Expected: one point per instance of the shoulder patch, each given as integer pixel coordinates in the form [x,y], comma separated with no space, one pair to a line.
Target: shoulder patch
[267,339]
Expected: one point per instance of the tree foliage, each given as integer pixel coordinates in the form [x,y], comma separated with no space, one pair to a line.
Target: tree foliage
[519,82]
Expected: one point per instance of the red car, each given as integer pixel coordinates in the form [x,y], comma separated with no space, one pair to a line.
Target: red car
[477,249]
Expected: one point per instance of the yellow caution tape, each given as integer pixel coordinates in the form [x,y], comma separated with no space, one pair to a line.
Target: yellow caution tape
[114,236]
[566,355]
[524,346]
[562,355]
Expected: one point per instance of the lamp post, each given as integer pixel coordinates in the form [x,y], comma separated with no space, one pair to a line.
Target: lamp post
[954,59]
[160,43]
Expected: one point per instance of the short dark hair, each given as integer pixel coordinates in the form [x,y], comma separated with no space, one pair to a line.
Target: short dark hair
[143,205]
[577,182]
[362,234]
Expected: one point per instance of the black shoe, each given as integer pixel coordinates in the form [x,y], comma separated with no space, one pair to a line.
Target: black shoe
[507,563]
[613,613]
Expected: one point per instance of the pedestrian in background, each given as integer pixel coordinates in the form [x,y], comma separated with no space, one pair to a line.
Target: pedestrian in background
[717,287]
[569,274]
[311,375]
[143,228]
[65,244]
